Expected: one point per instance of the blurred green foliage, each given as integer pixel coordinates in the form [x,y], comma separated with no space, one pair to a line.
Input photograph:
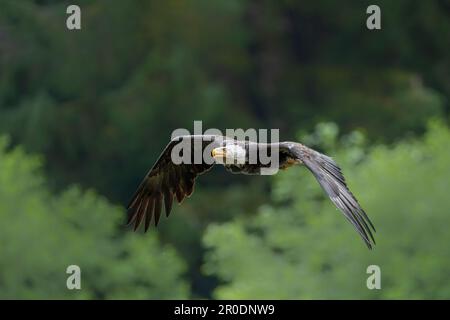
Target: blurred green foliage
[98,105]
[43,234]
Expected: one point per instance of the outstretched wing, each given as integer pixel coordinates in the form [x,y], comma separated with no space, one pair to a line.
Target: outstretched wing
[330,178]
[167,180]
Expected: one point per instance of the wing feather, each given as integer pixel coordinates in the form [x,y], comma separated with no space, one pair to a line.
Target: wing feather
[167,180]
[158,205]
[148,213]
[332,181]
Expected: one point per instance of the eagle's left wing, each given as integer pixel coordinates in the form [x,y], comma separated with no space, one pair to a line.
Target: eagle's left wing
[330,178]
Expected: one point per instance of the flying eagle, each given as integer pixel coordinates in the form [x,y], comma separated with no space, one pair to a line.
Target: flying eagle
[169,179]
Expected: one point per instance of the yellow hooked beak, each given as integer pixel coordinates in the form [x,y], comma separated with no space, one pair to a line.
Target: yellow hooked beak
[218,153]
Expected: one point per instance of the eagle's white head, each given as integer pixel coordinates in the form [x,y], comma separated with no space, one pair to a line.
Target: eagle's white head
[229,154]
